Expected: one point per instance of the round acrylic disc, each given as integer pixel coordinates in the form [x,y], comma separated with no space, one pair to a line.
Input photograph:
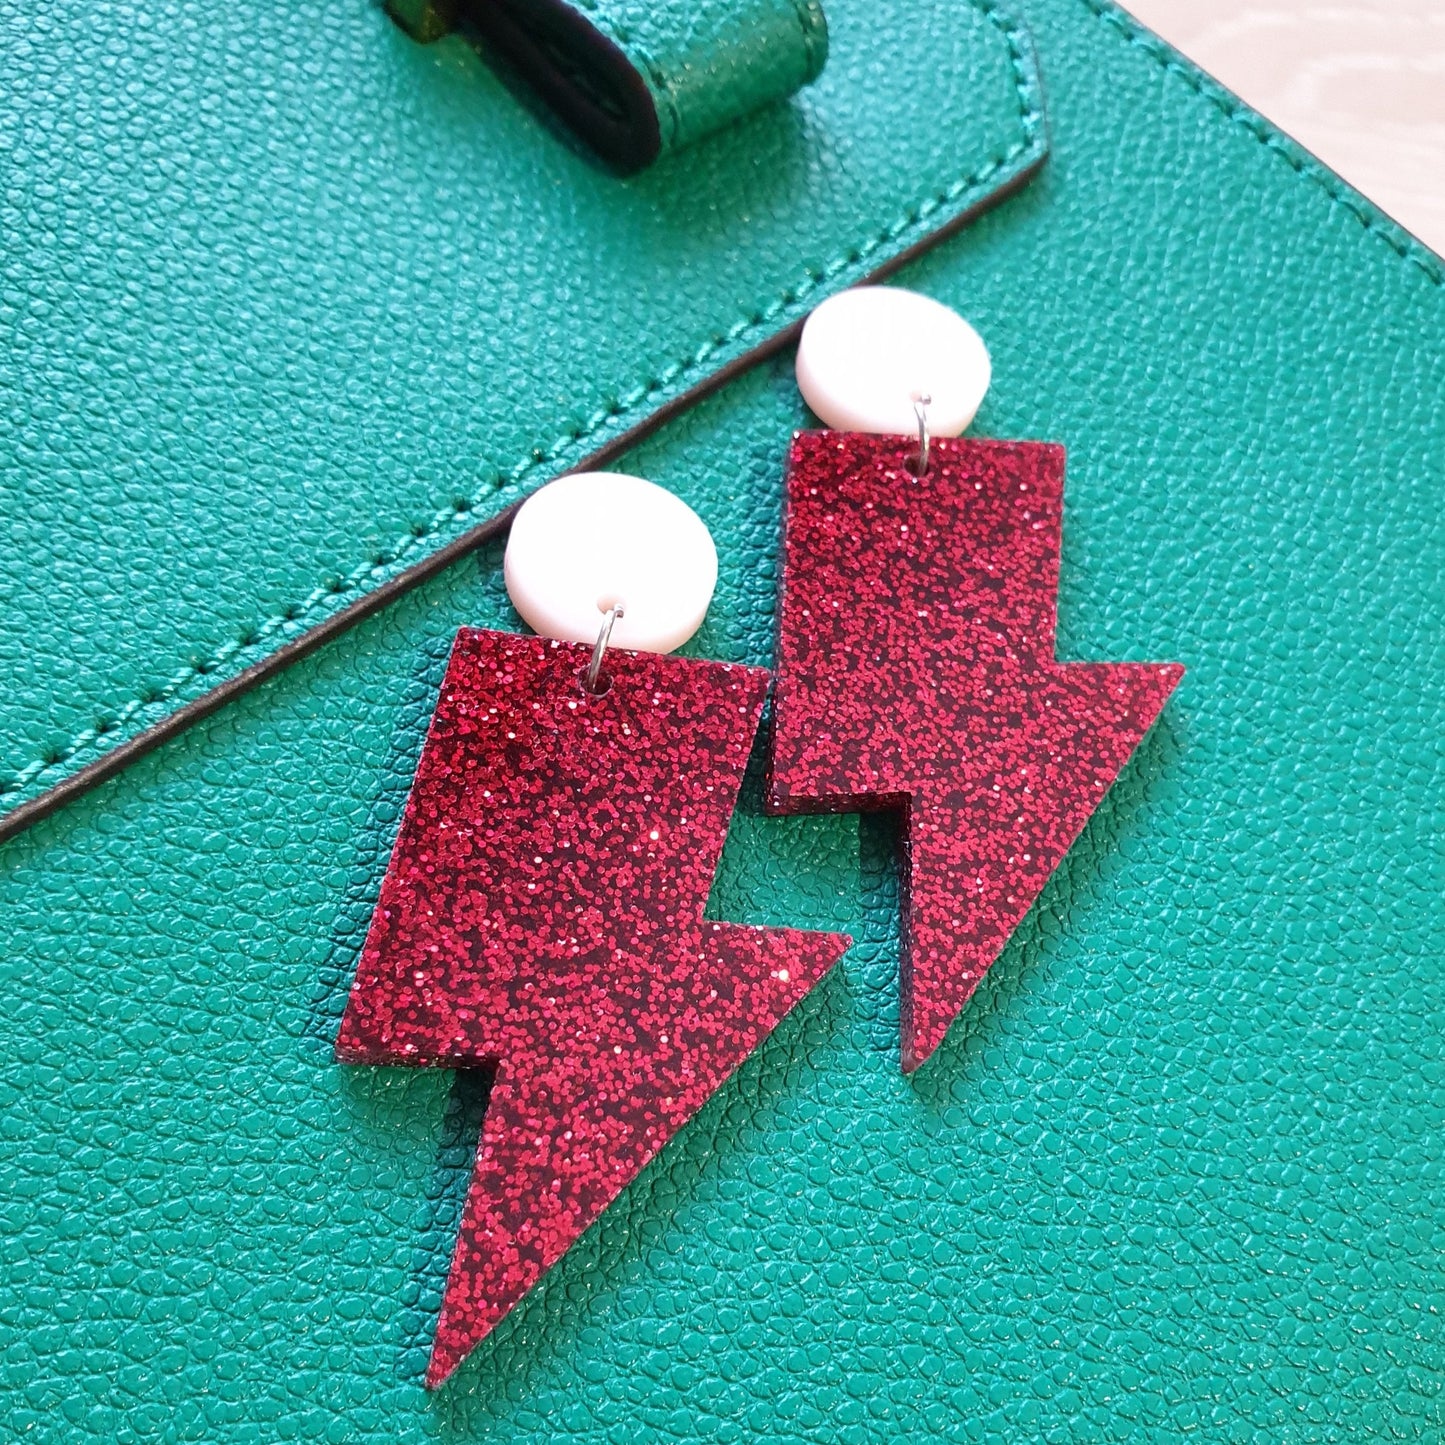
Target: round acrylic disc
[597,540]
[866,355]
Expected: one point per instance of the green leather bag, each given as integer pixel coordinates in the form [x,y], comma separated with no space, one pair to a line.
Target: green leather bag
[293,308]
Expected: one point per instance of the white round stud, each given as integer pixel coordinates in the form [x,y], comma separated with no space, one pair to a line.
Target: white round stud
[597,540]
[866,355]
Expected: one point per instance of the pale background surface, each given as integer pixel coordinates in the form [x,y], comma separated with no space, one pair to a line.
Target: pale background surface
[1361,83]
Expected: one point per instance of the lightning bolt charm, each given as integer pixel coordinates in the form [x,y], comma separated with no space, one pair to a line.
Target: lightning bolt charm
[916,670]
[542,915]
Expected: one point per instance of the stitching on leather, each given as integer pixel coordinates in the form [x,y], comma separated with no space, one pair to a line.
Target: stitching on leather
[1374,221]
[380,563]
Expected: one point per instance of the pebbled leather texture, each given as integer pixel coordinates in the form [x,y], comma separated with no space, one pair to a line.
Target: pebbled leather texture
[1176,1172]
[290,302]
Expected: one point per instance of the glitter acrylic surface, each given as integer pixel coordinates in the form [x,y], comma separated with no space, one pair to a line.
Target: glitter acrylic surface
[916,670]
[542,915]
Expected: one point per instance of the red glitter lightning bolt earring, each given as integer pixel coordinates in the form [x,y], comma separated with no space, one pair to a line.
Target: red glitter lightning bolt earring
[916,662]
[542,914]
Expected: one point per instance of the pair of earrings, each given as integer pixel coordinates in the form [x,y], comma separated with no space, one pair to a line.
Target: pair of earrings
[542,913]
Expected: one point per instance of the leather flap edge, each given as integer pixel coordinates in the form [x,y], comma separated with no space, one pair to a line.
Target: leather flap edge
[127,729]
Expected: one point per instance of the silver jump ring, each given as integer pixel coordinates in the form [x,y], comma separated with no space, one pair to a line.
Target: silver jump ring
[604,636]
[921,403]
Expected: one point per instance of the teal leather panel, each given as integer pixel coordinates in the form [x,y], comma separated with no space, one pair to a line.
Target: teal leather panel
[706,64]
[290,302]
[1175,1174]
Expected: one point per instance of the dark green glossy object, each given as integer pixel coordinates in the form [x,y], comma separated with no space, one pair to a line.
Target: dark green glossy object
[1176,1173]
[637,80]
